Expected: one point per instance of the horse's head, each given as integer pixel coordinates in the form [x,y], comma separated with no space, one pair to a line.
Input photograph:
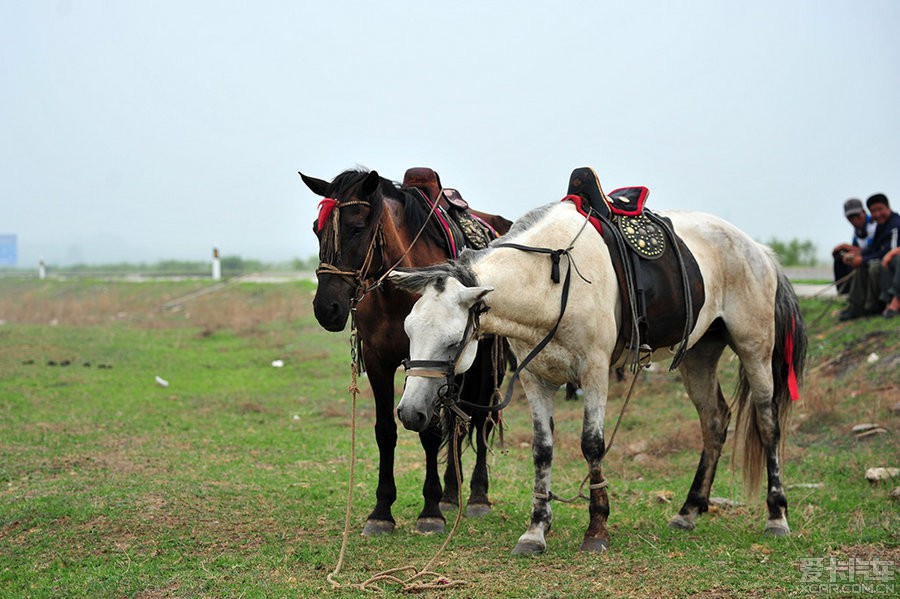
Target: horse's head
[442,329]
[347,228]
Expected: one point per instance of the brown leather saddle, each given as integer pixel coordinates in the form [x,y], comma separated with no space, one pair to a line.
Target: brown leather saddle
[460,227]
[660,283]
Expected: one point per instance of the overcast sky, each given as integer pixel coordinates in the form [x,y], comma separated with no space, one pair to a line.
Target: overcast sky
[139,131]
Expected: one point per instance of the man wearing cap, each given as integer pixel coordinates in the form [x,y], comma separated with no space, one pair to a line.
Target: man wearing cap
[863,232]
[865,293]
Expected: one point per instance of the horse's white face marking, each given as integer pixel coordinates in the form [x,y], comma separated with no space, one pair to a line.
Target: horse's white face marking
[436,327]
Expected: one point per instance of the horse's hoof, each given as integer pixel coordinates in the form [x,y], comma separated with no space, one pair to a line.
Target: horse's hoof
[595,545]
[430,525]
[477,510]
[377,527]
[778,531]
[528,548]
[448,506]
[681,523]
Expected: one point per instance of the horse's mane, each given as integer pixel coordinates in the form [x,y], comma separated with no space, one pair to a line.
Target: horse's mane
[415,211]
[528,220]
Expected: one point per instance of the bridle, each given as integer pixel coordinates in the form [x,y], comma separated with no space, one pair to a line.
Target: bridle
[448,394]
[358,276]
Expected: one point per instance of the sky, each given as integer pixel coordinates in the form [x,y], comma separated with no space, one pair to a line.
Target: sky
[145,131]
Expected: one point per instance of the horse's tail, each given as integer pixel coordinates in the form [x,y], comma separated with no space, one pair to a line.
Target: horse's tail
[788,362]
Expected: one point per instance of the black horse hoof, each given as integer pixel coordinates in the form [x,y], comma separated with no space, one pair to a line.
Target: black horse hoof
[680,522]
[477,510]
[448,506]
[595,545]
[377,527]
[430,525]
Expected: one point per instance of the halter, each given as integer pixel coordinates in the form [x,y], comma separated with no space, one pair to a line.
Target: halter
[333,215]
[446,369]
[359,277]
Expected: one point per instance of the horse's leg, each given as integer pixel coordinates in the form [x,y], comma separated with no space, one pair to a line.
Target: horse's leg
[430,518]
[450,497]
[380,520]
[755,352]
[478,389]
[698,370]
[761,389]
[593,448]
[540,398]
[479,504]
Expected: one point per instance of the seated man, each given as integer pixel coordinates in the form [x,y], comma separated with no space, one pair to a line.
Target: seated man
[863,230]
[865,294]
[890,282]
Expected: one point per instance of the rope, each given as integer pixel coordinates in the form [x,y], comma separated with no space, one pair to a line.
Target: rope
[403,256]
[354,391]
[413,583]
[550,496]
[831,300]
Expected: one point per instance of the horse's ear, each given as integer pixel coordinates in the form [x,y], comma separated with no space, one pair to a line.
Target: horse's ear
[411,280]
[318,186]
[472,295]
[371,183]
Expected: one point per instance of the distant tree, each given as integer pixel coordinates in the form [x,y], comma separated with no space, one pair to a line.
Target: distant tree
[309,263]
[235,265]
[794,252]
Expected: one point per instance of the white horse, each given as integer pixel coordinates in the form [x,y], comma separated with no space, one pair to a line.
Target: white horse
[749,306]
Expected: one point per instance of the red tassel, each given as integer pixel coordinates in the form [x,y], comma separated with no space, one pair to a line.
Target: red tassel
[793,387]
[325,208]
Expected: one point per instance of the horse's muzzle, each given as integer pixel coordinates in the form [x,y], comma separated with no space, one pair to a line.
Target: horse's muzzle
[331,315]
[331,305]
[412,419]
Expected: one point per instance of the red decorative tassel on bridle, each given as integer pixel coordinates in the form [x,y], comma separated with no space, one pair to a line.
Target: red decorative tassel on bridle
[325,208]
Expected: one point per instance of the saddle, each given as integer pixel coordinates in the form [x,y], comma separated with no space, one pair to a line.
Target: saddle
[660,283]
[460,227]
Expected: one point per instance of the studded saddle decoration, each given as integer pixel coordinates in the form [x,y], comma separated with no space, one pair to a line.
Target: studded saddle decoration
[644,237]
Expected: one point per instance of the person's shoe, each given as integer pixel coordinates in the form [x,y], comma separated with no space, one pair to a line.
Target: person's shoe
[851,313]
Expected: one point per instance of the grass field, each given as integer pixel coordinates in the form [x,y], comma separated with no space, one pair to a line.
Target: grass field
[232,480]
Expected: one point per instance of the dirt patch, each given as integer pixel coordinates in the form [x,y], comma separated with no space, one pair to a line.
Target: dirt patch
[856,354]
[241,308]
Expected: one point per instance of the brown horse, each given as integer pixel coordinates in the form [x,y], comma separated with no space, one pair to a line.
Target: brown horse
[368,225]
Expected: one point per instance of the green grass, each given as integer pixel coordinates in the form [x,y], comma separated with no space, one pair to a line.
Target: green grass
[232,481]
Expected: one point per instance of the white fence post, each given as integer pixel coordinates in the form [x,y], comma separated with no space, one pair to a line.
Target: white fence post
[216,266]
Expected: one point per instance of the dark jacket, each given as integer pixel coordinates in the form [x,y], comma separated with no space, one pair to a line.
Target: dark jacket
[886,238]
